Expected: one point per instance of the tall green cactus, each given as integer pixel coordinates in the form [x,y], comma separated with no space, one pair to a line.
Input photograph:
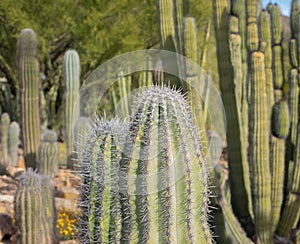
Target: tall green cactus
[48,154]
[71,67]
[35,210]
[13,143]
[161,176]
[29,79]
[5,120]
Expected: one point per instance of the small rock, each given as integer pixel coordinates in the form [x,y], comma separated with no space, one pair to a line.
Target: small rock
[7,229]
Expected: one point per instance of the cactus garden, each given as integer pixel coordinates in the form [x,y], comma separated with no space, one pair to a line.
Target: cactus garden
[168,121]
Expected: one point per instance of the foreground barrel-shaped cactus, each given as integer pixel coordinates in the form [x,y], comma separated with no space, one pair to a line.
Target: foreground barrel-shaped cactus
[28,70]
[101,219]
[35,209]
[147,183]
[163,174]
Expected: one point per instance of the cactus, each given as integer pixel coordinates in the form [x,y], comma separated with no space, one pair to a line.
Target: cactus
[5,120]
[161,176]
[81,131]
[28,71]
[163,150]
[13,143]
[99,202]
[71,67]
[35,210]
[48,154]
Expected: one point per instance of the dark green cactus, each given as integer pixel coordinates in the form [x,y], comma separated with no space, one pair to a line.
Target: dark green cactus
[294,53]
[294,17]
[29,79]
[13,143]
[71,67]
[35,210]
[5,121]
[280,120]
[48,154]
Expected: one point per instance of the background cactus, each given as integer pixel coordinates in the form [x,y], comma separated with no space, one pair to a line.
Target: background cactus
[5,121]
[71,67]
[48,154]
[13,143]
[29,78]
[35,209]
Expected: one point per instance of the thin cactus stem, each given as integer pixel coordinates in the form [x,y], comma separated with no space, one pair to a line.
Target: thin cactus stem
[13,143]
[5,121]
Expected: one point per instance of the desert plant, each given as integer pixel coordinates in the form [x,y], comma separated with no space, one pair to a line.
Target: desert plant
[13,143]
[35,209]
[71,67]
[48,154]
[29,79]
[161,177]
[5,120]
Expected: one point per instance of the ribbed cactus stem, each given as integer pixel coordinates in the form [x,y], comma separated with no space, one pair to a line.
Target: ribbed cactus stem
[5,121]
[101,219]
[291,213]
[81,132]
[29,78]
[294,53]
[48,154]
[162,160]
[35,210]
[294,17]
[71,67]
[265,34]
[280,120]
[259,153]
[277,67]
[276,25]
[13,143]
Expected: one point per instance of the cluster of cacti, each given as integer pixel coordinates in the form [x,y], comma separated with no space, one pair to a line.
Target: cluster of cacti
[71,68]
[48,154]
[146,182]
[34,209]
[9,141]
[29,84]
[261,148]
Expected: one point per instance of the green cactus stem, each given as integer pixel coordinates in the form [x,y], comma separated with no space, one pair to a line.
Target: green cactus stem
[29,78]
[259,153]
[35,210]
[101,219]
[294,17]
[159,180]
[280,120]
[71,67]
[5,120]
[294,53]
[48,154]
[276,24]
[13,143]
[277,67]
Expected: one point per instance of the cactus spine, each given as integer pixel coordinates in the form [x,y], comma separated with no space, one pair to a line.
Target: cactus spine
[71,67]
[5,120]
[13,143]
[35,209]
[28,70]
[48,154]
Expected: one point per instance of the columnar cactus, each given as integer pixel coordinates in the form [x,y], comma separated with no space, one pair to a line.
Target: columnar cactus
[163,173]
[35,210]
[48,154]
[5,120]
[101,219]
[13,143]
[146,184]
[29,78]
[71,67]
